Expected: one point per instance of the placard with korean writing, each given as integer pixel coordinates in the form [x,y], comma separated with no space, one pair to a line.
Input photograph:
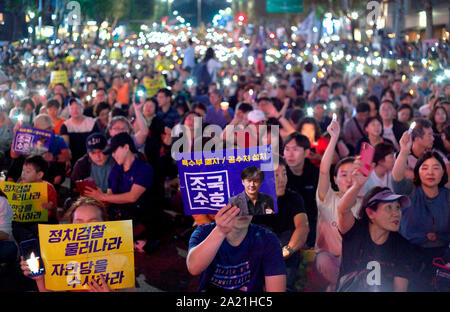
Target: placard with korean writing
[75,254]
[241,177]
[26,200]
[59,76]
[32,141]
[153,85]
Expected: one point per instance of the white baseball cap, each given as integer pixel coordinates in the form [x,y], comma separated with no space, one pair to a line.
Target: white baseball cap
[256,116]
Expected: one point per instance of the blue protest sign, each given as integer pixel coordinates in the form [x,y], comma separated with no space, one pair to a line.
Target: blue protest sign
[241,177]
[31,141]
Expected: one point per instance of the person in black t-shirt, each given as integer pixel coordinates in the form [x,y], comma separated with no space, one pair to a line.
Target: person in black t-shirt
[375,257]
[290,224]
[303,177]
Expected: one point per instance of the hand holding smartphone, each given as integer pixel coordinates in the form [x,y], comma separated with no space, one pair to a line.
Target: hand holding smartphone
[82,184]
[31,253]
[367,153]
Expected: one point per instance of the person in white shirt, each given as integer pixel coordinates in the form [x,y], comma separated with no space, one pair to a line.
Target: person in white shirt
[328,239]
[384,159]
[189,56]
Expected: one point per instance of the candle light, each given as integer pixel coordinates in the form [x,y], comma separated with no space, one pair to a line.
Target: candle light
[33,263]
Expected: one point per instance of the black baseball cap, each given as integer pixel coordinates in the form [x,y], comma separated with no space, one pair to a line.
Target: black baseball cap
[96,141]
[120,139]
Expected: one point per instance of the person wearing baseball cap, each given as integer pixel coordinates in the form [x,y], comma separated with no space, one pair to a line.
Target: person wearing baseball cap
[129,183]
[94,164]
[375,257]
[256,117]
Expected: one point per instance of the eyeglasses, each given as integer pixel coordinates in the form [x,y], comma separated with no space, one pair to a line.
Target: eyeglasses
[119,129]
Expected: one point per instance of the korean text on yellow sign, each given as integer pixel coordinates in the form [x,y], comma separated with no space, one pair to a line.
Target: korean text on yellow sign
[75,254]
[153,85]
[59,76]
[26,200]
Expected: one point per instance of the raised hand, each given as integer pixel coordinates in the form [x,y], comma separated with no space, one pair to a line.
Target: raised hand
[406,141]
[334,129]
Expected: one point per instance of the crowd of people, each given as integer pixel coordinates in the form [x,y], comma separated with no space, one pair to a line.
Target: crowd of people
[375,232]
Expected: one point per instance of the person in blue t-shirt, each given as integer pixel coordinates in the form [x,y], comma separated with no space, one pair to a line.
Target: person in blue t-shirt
[234,255]
[129,182]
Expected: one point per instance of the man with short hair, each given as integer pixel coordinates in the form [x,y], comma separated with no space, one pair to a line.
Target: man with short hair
[423,139]
[215,114]
[166,111]
[354,127]
[95,164]
[392,128]
[251,201]
[234,254]
[290,224]
[302,177]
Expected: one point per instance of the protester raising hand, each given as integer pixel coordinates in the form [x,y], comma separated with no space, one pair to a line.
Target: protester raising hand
[406,142]
[334,129]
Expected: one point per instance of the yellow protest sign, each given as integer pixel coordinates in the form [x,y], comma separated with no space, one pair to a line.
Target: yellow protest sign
[162,64]
[70,59]
[115,54]
[153,85]
[59,76]
[26,200]
[75,254]
[51,65]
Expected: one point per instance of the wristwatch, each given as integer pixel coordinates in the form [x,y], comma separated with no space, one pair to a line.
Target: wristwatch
[288,249]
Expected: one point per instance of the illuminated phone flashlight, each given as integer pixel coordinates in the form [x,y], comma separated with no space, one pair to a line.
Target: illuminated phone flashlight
[42,92]
[190,82]
[88,98]
[411,128]
[314,80]
[78,74]
[94,93]
[2,102]
[89,79]
[411,91]
[138,66]
[20,117]
[310,111]
[415,79]
[403,77]
[140,93]
[359,91]
[235,78]
[128,75]
[252,95]
[333,105]
[439,79]
[226,82]
[447,73]
[272,79]
[23,84]
[19,93]
[288,67]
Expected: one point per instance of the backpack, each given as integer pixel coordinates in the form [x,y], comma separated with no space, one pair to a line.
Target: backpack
[201,75]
